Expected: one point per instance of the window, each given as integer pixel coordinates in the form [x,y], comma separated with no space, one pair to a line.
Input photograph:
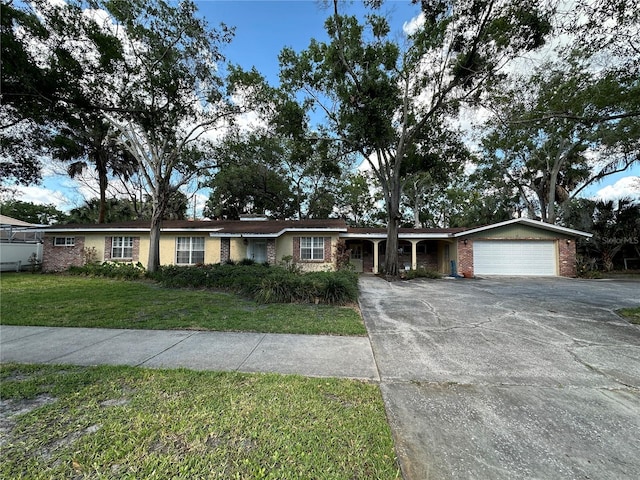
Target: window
[64,241]
[189,250]
[312,248]
[122,247]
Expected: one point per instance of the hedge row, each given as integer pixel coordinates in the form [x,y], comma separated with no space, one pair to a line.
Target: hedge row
[120,270]
[267,284]
[264,283]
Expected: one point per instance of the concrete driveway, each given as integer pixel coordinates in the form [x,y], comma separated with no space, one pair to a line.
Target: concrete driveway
[508,378]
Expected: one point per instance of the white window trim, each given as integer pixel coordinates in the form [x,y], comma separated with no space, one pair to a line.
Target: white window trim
[124,243]
[312,248]
[64,241]
[190,250]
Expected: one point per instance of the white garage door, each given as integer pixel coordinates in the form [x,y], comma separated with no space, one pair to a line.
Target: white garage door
[514,257]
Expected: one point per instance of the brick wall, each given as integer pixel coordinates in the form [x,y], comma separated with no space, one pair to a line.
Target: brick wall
[225,249]
[271,251]
[465,257]
[567,257]
[428,261]
[296,249]
[58,259]
[328,255]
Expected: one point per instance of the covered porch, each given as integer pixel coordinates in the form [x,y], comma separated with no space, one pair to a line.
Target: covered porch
[414,251]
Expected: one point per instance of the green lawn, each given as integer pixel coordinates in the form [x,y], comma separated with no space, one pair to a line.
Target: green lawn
[124,422]
[73,301]
[631,314]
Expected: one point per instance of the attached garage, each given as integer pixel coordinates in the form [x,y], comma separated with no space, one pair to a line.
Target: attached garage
[518,247]
[515,257]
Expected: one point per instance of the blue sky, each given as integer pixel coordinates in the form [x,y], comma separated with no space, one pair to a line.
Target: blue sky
[263,28]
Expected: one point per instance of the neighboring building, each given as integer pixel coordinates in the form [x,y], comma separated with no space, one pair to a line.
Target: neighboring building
[515,247]
[20,244]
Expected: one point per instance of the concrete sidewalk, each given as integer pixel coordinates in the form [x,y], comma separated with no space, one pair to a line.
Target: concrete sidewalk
[309,355]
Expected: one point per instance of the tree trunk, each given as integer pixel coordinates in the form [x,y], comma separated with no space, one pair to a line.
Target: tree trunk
[159,207]
[392,270]
[417,206]
[553,181]
[154,243]
[103,182]
[391,252]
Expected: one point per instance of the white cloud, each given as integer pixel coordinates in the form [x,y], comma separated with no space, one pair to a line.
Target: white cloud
[413,25]
[43,196]
[628,187]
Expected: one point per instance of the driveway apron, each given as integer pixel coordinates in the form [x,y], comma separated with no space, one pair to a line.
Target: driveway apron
[508,378]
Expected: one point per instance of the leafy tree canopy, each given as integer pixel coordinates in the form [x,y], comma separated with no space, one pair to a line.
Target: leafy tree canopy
[382,100]
[250,180]
[32,212]
[123,210]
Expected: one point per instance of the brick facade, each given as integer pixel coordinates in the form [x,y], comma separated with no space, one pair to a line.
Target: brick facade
[225,250]
[271,251]
[296,249]
[58,258]
[567,258]
[465,257]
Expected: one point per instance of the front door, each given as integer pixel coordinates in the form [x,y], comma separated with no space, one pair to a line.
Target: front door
[257,251]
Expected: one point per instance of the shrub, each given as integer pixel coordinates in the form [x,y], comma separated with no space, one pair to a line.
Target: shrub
[246,262]
[289,264]
[335,288]
[422,273]
[343,256]
[279,287]
[587,267]
[338,288]
[121,270]
[266,284]
[237,278]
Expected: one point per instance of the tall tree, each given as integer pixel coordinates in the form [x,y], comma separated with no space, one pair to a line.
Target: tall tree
[615,226]
[32,212]
[282,139]
[150,69]
[383,101]
[250,179]
[172,92]
[122,209]
[86,140]
[550,158]
[26,90]
[357,199]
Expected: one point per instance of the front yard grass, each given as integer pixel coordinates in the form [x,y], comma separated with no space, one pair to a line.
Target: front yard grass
[125,422]
[70,301]
[631,314]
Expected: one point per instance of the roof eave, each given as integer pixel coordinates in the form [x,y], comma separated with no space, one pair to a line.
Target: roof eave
[526,221]
[309,230]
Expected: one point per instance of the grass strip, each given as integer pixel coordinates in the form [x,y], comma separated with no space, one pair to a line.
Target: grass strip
[70,301]
[125,422]
[631,314]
